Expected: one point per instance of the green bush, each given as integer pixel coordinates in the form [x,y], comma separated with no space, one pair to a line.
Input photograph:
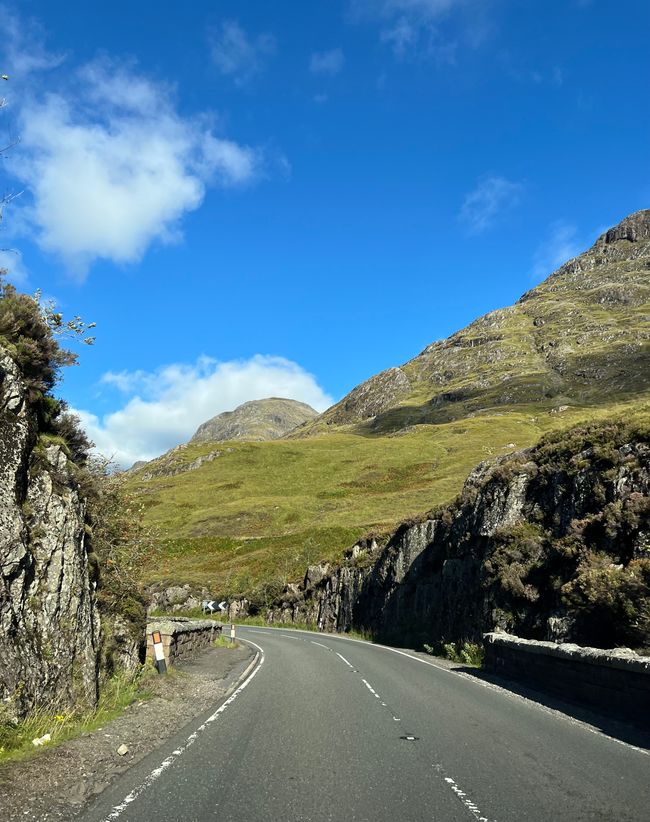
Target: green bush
[611,600]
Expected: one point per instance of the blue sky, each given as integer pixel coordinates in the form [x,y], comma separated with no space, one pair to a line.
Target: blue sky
[254,198]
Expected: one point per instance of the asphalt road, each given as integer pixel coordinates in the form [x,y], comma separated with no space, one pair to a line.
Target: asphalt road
[331,729]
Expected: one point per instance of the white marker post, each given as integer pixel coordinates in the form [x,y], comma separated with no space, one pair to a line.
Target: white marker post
[232,633]
[159,653]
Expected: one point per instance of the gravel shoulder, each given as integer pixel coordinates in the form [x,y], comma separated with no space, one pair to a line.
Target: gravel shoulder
[57,783]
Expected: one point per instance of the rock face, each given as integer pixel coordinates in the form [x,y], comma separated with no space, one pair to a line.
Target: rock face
[49,622]
[581,337]
[255,421]
[174,599]
[548,543]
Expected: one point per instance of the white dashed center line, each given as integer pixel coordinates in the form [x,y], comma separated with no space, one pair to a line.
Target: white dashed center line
[467,802]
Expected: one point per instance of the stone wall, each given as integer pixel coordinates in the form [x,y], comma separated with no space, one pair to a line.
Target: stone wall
[182,638]
[614,681]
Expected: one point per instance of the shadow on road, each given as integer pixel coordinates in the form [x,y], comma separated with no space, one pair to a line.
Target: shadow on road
[625,731]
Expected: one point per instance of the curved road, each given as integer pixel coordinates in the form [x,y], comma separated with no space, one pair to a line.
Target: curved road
[327,728]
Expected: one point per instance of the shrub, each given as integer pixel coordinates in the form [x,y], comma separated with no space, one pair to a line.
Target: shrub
[611,600]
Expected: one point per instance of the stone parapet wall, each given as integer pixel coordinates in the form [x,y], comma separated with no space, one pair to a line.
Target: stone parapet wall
[614,681]
[182,638]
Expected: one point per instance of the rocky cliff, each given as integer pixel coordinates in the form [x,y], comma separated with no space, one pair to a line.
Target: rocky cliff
[549,543]
[257,420]
[49,621]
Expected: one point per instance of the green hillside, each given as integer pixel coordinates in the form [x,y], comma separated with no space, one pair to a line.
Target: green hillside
[235,516]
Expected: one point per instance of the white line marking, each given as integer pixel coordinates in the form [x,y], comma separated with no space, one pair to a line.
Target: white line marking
[344,660]
[320,645]
[191,739]
[578,723]
[298,638]
[471,806]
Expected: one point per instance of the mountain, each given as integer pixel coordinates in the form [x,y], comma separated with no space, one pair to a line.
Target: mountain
[249,517]
[254,421]
[579,338]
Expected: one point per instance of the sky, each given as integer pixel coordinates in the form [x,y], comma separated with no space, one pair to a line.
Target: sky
[256,199]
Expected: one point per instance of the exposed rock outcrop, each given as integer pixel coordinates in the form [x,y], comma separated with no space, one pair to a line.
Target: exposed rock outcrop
[548,543]
[49,622]
[174,599]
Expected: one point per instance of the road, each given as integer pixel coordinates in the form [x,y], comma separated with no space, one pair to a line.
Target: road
[326,728]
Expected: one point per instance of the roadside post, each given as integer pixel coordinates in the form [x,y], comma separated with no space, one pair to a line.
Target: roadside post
[159,653]
[232,633]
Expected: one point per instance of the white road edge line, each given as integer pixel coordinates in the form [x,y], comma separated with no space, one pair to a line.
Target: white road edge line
[191,739]
[493,686]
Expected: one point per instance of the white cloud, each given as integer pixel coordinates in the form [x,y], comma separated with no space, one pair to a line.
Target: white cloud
[23,47]
[237,55]
[412,27]
[168,405]
[327,62]
[419,10]
[112,167]
[426,29]
[401,36]
[489,201]
[561,245]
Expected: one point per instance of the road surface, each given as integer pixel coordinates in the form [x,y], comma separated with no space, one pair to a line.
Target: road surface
[325,728]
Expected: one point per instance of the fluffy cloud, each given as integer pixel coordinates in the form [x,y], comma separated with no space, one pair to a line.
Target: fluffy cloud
[562,244]
[112,167]
[327,62]
[488,202]
[164,408]
[237,55]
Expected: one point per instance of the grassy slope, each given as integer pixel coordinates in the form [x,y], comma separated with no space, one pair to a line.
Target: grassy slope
[389,452]
[263,511]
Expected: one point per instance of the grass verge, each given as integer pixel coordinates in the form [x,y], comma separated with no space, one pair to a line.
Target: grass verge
[16,738]
[469,653]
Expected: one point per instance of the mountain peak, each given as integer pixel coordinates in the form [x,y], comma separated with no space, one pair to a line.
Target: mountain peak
[256,420]
[634,228]
[579,338]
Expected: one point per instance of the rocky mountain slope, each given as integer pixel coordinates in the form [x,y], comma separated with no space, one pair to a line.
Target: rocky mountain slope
[64,624]
[247,517]
[548,543]
[582,337]
[255,421]
[49,621]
